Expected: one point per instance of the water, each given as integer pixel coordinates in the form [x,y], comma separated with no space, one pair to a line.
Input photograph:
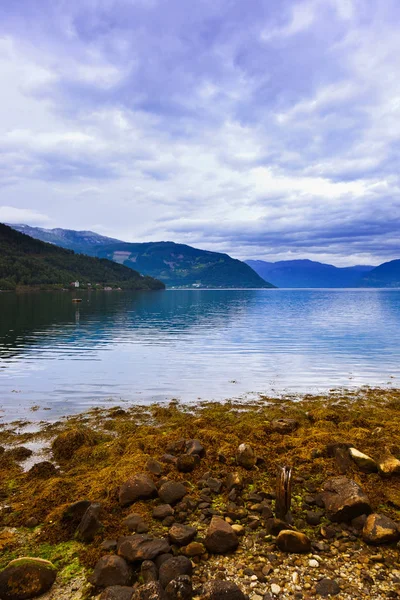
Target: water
[121,347]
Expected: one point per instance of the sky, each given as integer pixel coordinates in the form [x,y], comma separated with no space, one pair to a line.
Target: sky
[261,128]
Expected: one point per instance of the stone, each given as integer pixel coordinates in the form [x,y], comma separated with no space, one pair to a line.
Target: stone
[182,534]
[111,570]
[172,568]
[195,447]
[180,588]
[32,522]
[73,514]
[26,578]
[148,571]
[135,522]
[234,481]
[185,463]
[274,526]
[220,537]
[327,587]
[389,465]
[117,592]
[245,456]
[141,547]
[89,525]
[108,545]
[150,591]
[139,487]
[154,467]
[313,517]
[343,460]
[42,470]
[293,541]
[162,511]
[283,425]
[222,590]
[275,589]
[215,485]
[194,549]
[19,453]
[344,499]
[162,558]
[379,529]
[172,492]
[364,462]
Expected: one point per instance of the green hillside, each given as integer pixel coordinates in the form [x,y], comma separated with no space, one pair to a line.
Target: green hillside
[25,261]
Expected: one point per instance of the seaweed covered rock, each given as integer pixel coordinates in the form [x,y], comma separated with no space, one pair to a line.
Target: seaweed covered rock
[139,487]
[26,578]
[344,499]
[220,537]
[42,470]
[135,522]
[195,447]
[185,463]
[19,453]
[141,547]
[111,571]
[222,590]
[379,529]
[68,442]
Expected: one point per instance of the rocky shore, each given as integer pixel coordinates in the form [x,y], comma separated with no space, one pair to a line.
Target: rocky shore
[278,498]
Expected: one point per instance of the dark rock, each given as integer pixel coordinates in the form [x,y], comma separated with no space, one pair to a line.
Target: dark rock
[117,592]
[180,588]
[154,467]
[108,545]
[177,447]
[220,537]
[185,463]
[215,485]
[344,499]
[313,518]
[32,522]
[25,578]
[139,487]
[111,570]
[43,470]
[222,590]
[19,453]
[195,447]
[182,534]
[343,460]
[379,529]
[194,549]
[141,547]
[162,511]
[148,571]
[171,492]
[330,449]
[162,558]
[274,526]
[293,541]
[283,425]
[172,568]
[168,459]
[73,514]
[168,521]
[359,522]
[327,587]
[90,524]
[234,481]
[245,456]
[150,591]
[136,523]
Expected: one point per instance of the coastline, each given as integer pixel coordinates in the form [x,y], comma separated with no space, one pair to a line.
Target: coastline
[100,450]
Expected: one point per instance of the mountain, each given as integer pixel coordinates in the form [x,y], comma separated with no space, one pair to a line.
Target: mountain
[308,274]
[386,275]
[177,265]
[25,261]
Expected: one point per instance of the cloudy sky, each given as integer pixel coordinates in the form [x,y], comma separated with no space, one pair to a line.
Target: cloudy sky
[262,128]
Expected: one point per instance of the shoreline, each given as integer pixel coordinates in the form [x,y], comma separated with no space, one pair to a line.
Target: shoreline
[98,451]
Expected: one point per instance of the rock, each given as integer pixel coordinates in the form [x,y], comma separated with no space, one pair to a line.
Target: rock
[195,447]
[245,456]
[275,589]
[154,467]
[379,529]
[293,541]
[108,545]
[313,518]
[68,442]
[185,463]
[234,480]
[344,499]
[136,523]
[342,459]
[283,425]
[117,592]
[26,578]
[89,525]
[141,547]
[168,459]
[180,588]
[42,470]
[162,511]
[171,492]
[148,571]
[359,522]
[274,526]
[150,591]
[194,549]
[215,485]
[363,461]
[327,587]
[182,534]
[32,522]
[111,570]
[73,514]
[139,487]
[222,590]
[162,558]
[19,453]
[220,537]
[172,568]
[389,465]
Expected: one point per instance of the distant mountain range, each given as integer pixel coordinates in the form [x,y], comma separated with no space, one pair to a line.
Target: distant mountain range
[309,274]
[177,265]
[386,275]
[27,262]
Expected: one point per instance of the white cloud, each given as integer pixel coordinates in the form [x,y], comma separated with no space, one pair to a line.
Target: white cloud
[10,214]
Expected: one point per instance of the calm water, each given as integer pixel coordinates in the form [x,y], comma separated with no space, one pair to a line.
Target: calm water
[136,347]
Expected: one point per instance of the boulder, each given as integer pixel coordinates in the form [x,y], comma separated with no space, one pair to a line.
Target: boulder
[327,587]
[117,592]
[139,487]
[171,492]
[344,499]
[379,529]
[89,525]
[141,547]
[19,453]
[293,541]
[182,534]
[26,578]
[245,456]
[194,549]
[180,588]
[195,447]
[135,522]
[172,568]
[162,511]
[389,465]
[150,591]
[220,537]
[185,463]
[364,462]
[111,570]
[154,467]
[73,514]
[222,590]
